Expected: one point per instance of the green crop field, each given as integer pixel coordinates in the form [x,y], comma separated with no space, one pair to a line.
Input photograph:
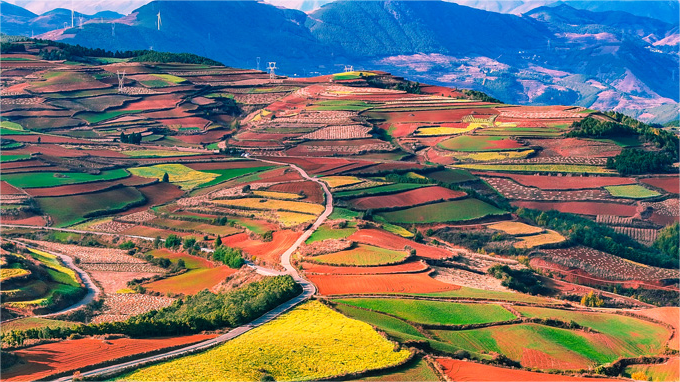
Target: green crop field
[394,327]
[465,292]
[343,213]
[451,176]
[558,348]
[199,228]
[434,312]
[306,343]
[51,179]
[633,191]
[633,336]
[13,157]
[340,105]
[68,210]
[478,143]
[533,168]
[418,371]
[362,255]
[35,322]
[325,232]
[91,117]
[230,173]
[386,189]
[452,211]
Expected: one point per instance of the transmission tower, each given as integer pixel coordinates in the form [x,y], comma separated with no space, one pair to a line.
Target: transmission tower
[72,14]
[159,23]
[349,68]
[258,63]
[272,67]
[113,29]
[80,22]
[121,80]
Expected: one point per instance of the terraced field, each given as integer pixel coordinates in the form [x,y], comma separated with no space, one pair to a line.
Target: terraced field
[307,343]
[453,211]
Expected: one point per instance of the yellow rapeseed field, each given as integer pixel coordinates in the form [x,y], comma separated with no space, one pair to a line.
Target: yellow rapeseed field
[550,237]
[277,195]
[181,175]
[340,181]
[436,131]
[515,228]
[310,342]
[10,273]
[273,204]
[493,155]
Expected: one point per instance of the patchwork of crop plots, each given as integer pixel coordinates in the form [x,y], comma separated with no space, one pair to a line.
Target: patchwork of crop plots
[362,255]
[307,343]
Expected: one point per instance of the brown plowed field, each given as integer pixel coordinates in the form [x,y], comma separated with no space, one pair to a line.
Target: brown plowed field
[8,189]
[582,208]
[388,240]
[407,198]
[458,370]
[156,194]
[83,188]
[404,283]
[269,252]
[313,191]
[410,267]
[669,184]
[44,360]
[33,220]
[561,182]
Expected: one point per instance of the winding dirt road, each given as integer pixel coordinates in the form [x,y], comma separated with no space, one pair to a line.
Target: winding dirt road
[308,290]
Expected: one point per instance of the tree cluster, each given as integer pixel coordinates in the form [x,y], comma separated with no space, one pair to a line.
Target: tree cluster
[231,257]
[632,161]
[134,138]
[523,280]
[203,311]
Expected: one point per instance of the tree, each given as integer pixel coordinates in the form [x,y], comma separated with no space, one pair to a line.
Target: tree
[218,241]
[668,240]
[173,242]
[592,300]
[246,189]
[166,178]
[188,243]
[157,242]
[229,256]
[418,237]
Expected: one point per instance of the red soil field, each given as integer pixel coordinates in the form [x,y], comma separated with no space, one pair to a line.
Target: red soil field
[156,194]
[52,150]
[562,182]
[70,355]
[409,198]
[403,283]
[35,169]
[458,370]
[314,165]
[207,137]
[388,240]
[313,191]
[83,188]
[8,189]
[434,116]
[154,102]
[440,91]
[410,267]
[186,122]
[22,164]
[249,135]
[269,252]
[669,315]
[33,220]
[347,169]
[582,208]
[669,184]
[575,147]
[33,138]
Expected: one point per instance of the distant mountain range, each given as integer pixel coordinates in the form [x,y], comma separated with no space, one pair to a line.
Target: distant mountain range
[19,21]
[549,55]
[84,6]
[667,11]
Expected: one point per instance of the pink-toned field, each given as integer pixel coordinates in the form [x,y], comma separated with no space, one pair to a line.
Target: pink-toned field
[457,370]
[407,198]
[388,240]
[404,283]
